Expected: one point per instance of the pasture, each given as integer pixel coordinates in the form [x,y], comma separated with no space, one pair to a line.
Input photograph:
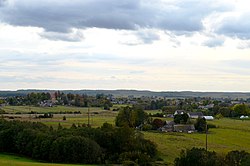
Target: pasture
[230,134]
[96,118]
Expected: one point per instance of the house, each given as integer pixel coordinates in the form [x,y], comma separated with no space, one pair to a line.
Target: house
[168,127]
[46,103]
[195,115]
[208,117]
[179,112]
[184,128]
[206,106]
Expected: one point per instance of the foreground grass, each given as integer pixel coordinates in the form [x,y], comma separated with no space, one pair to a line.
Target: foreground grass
[12,160]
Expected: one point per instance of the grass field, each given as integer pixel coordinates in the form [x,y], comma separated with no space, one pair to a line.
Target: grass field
[97,116]
[230,134]
[55,109]
[12,160]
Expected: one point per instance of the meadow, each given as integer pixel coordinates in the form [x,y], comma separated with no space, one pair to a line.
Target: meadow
[229,134]
[97,116]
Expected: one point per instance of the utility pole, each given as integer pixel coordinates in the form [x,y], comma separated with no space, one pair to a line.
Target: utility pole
[88,118]
[206,136]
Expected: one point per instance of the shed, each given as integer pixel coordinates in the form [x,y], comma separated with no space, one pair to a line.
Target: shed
[208,117]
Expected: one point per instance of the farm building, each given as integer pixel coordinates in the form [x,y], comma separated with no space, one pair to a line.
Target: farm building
[208,117]
[179,112]
[184,128]
[195,115]
[168,127]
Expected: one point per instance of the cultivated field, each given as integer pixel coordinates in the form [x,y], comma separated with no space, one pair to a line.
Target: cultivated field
[230,134]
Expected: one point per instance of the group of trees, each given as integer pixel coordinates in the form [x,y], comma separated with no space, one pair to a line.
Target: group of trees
[199,156]
[131,117]
[29,99]
[86,145]
[181,118]
[169,106]
[60,98]
[229,111]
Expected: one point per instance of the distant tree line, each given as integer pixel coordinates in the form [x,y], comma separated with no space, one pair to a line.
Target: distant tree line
[60,98]
[85,145]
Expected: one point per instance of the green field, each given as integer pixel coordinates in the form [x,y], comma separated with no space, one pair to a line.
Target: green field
[97,116]
[230,134]
[54,109]
[12,160]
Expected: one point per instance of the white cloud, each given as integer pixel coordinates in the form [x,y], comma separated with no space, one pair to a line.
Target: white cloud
[176,45]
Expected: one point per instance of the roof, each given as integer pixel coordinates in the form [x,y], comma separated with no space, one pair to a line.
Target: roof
[170,123]
[181,127]
[208,117]
[200,114]
[179,112]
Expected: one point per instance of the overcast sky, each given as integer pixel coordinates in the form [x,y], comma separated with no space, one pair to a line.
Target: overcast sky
[160,45]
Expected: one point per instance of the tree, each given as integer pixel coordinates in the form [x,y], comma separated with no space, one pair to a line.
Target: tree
[200,125]
[127,116]
[181,118]
[225,111]
[75,149]
[157,123]
[241,109]
[218,116]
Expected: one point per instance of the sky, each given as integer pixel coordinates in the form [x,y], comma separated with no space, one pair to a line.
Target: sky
[158,45]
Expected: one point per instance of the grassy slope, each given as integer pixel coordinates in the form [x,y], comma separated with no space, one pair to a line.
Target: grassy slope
[230,135]
[11,160]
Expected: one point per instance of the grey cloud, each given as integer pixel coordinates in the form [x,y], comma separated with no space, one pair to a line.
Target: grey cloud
[62,16]
[144,36]
[147,37]
[244,44]
[70,37]
[2,3]
[213,42]
[234,26]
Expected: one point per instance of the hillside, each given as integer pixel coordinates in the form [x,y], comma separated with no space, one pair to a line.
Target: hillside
[137,93]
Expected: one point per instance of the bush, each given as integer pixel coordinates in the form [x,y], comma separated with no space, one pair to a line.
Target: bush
[235,158]
[136,156]
[197,157]
[147,127]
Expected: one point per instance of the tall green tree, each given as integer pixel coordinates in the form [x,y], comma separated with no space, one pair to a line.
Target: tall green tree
[200,125]
[130,117]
